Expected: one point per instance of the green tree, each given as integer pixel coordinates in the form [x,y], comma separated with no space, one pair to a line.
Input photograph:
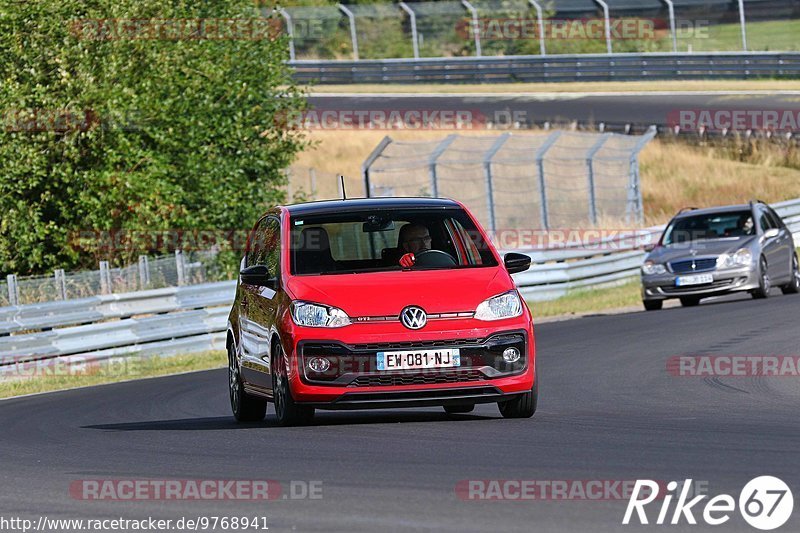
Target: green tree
[106,127]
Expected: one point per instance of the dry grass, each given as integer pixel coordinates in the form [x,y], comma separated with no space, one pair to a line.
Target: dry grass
[590,300]
[593,87]
[674,174]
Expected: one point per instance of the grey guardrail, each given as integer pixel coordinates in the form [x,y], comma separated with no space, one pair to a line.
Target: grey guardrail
[554,68]
[108,306]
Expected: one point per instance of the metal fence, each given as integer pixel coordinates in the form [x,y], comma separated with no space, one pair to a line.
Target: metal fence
[188,268]
[545,27]
[535,181]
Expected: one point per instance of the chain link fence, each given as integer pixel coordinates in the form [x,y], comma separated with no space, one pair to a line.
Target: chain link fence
[559,179]
[539,27]
[184,268]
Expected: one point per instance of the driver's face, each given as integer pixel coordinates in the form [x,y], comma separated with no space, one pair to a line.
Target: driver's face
[418,239]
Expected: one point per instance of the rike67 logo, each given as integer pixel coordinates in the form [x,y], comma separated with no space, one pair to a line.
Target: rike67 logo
[765,503]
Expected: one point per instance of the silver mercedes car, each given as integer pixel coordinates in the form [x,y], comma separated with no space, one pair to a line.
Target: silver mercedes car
[714,251]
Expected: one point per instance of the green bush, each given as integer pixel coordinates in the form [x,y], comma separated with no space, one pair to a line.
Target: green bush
[105,132]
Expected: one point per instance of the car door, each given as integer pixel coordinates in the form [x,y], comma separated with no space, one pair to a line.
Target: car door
[770,246]
[261,305]
[785,246]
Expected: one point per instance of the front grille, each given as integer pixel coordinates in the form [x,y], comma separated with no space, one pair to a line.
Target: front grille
[714,285]
[430,378]
[386,346]
[685,266]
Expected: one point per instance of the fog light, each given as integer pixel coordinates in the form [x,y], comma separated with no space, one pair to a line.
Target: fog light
[511,355]
[319,364]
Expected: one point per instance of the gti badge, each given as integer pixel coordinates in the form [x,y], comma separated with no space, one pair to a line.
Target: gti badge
[413,317]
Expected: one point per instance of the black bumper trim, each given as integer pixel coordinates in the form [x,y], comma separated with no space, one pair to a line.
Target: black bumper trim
[417,398]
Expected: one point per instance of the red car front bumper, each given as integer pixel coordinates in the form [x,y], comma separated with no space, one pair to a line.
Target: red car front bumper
[354,383]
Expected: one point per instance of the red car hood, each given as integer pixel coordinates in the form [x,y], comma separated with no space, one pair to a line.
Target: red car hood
[387,293]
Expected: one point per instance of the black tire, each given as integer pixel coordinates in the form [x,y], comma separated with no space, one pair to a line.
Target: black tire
[794,286]
[245,408]
[690,301]
[523,406]
[455,409]
[287,411]
[764,283]
[653,305]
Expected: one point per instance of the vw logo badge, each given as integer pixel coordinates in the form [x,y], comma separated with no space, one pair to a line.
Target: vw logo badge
[413,317]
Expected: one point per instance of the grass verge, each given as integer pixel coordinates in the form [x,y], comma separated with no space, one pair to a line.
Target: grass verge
[590,300]
[55,377]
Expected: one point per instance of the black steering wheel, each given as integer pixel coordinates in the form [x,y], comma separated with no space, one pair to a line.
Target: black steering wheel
[434,258]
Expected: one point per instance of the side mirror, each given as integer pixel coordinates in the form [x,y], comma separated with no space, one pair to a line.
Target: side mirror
[650,247]
[516,263]
[257,275]
[772,233]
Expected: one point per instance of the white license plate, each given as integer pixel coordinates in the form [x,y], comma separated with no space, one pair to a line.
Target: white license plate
[697,279]
[419,359]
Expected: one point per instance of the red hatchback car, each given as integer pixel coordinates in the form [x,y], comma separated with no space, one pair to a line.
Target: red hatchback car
[377,303]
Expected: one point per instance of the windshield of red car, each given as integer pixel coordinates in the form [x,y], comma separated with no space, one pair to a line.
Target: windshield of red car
[376,241]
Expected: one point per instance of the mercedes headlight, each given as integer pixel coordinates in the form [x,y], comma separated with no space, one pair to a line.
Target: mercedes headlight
[318,316]
[507,305]
[742,257]
[651,267]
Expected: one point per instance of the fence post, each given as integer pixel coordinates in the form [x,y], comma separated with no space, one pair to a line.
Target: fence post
[487,170]
[672,30]
[289,30]
[634,186]
[105,278]
[353,34]
[144,271]
[13,289]
[312,175]
[590,167]
[607,19]
[476,29]
[742,21]
[413,18]
[61,283]
[365,167]
[437,152]
[540,18]
[540,153]
[180,267]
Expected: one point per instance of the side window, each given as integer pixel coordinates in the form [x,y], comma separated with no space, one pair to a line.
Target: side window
[265,245]
[271,255]
[776,220]
[256,243]
[766,221]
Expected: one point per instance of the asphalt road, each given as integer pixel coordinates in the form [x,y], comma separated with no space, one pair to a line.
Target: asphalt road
[608,410]
[638,108]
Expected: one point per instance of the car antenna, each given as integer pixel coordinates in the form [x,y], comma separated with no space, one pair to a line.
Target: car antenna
[342,190]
